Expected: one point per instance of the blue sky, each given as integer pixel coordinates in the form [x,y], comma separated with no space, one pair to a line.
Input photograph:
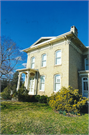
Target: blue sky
[26,21]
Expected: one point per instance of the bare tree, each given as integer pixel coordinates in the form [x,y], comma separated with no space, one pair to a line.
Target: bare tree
[9,57]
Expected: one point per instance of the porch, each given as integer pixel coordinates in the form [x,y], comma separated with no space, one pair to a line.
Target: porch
[31,80]
[84,81]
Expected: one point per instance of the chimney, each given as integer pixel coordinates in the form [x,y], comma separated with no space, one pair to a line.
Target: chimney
[74,30]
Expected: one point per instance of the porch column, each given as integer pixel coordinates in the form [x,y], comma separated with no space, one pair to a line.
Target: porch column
[28,76]
[18,84]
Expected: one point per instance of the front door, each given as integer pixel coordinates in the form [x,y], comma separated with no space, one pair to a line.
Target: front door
[31,85]
[85,86]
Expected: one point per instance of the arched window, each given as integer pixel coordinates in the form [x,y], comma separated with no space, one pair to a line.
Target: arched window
[57,84]
[43,64]
[58,57]
[32,62]
[42,83]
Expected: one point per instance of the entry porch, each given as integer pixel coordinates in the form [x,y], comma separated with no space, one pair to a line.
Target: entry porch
[31,80]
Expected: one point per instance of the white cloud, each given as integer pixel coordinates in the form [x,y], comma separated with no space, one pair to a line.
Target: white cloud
[24,64]
[18,58]
[20,50]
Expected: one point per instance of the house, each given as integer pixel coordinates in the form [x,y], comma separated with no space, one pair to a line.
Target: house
[54,62]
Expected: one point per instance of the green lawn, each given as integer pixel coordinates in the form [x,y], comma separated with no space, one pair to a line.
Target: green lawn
[38,118]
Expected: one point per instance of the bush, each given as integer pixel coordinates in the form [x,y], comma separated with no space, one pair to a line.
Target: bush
[22,94]
[6,93]
[41,99]
[69,100]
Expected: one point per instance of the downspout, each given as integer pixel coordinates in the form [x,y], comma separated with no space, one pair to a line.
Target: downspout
[37,82]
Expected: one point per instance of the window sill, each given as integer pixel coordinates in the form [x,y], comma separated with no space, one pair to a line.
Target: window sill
[43,67]
[57,65]
[41,91]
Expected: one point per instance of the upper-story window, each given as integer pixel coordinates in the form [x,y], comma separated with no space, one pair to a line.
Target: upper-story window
[58,57]
[57,84]
[42,83]
[44,57]
[86,64]
[32,62]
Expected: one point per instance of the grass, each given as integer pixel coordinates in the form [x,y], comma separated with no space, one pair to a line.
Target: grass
[38,118]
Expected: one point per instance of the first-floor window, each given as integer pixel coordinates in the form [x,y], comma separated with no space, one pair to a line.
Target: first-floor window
[85,83]
[57,85]
[42,83]
[85,87]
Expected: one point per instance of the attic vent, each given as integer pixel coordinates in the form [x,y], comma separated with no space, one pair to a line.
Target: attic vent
[42,40]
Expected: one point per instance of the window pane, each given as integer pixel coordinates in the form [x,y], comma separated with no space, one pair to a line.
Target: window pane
[86,61]
[85,78]
[86,67]
[32,65]
[58,61]
[42,86]
[58,54]
[42,79]
[42,82]
[57,79]
[33,59]
[44,57]
[57,87]
[44,63]
[85,85]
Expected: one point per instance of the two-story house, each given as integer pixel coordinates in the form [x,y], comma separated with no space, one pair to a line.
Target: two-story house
[54,62]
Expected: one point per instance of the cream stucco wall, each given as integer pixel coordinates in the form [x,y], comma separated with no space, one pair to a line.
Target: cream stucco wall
[51,69]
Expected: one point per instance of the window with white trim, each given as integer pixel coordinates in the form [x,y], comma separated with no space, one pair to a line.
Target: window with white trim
[86,64]
[58,57]
[42,83]
[43,64]
[57,85]
[85,84]
[32,62]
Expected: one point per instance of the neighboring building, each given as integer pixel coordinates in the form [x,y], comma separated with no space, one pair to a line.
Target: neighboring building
[54,62]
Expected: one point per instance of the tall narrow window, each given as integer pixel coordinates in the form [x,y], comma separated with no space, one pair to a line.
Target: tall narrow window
[42,83]
[85,87]
[58,57]
[86,64]
[32,62]
[57,85]
[43,60]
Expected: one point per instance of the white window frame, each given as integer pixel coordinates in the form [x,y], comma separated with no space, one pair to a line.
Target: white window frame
[83,85]
[32,62]
[42,83]
[43,60]
[57,57]
[56,83]
[85,63]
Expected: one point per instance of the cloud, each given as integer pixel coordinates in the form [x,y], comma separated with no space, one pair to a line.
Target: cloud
[18,58]
[24,64]
[21,50]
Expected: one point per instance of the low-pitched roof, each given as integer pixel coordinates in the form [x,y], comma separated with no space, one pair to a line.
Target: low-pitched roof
[46,40]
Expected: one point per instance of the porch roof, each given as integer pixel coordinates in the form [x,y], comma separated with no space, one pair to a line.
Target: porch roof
[27,69]
[84,72]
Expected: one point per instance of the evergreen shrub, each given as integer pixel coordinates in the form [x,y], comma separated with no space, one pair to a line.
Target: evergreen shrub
[6,93]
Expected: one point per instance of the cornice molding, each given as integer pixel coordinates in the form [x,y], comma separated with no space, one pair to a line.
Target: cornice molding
[74,46]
